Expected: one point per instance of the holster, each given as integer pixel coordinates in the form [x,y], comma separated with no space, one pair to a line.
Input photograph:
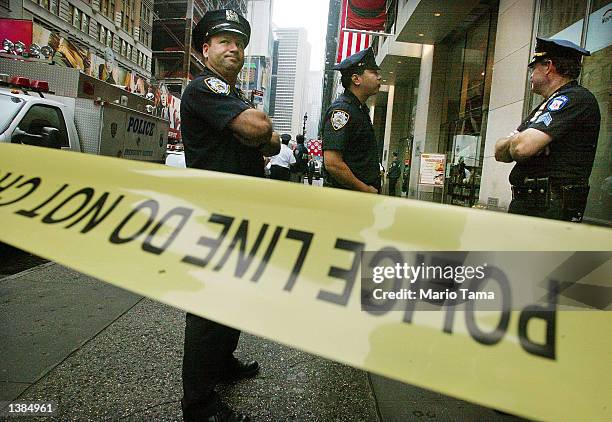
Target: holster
[573,201]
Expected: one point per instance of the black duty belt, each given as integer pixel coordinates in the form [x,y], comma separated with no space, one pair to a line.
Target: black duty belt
[542,192]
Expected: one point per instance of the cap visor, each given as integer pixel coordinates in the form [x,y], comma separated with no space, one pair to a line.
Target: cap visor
[233,30]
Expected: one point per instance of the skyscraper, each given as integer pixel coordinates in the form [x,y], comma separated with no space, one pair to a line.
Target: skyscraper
[293,62]
[313,103]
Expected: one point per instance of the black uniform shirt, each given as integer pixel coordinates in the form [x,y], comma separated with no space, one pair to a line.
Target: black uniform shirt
[571,117]
[348,129]
[208,104]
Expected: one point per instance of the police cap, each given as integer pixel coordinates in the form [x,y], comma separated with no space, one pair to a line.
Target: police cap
[359,61]
[546,48]
[222,20]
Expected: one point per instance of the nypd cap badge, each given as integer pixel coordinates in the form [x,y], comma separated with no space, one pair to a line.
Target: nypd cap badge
[230,15]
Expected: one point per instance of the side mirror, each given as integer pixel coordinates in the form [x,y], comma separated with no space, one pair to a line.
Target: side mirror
[51,138]
[23,137]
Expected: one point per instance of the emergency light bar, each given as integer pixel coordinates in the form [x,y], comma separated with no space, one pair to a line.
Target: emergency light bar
[18,48]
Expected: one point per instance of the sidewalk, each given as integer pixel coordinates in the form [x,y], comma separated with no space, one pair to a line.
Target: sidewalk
[102,353]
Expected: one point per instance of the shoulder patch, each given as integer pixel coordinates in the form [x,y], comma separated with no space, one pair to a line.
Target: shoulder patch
[557,103]
[545,118]
[339,119]
[217,85]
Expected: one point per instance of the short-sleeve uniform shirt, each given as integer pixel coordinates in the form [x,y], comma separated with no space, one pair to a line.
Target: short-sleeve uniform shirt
[208,105]
[571,117]
[348,129]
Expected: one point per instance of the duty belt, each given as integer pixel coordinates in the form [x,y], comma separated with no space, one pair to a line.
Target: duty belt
[569,195]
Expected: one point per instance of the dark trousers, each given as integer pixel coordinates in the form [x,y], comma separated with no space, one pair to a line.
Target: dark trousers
[310,175]
[280,173]
[392,185]
[209,348]
[298,177]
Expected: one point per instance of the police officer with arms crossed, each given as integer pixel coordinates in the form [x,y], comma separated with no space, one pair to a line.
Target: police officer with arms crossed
[554,148]
[222,131]
[350,150]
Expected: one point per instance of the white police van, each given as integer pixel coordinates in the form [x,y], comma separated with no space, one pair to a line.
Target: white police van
[84,118]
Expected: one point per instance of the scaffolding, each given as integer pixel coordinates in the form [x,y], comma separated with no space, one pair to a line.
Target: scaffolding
[175,60]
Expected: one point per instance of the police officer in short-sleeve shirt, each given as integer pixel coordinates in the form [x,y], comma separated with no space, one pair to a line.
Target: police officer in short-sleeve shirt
[350,150]
[221,132]
[554,148]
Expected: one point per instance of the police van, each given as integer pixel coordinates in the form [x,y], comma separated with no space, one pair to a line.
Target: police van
[52,106]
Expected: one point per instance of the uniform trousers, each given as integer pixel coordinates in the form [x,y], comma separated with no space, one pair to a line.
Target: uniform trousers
[392,185]
[279,173]
[209,349]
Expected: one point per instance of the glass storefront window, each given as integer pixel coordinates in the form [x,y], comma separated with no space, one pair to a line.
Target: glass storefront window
[466,105]
[596,76]
[562,19]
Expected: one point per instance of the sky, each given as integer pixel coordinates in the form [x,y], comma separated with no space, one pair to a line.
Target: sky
[310,14]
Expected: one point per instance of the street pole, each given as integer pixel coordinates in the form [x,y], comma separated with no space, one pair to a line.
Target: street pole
[304,128]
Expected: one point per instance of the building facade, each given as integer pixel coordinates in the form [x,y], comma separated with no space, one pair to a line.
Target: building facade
[108,39]
[456,81]
[293,62]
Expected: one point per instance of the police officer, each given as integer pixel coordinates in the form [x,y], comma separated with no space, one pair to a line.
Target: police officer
[554,148]
[350,150]
[222,131]
[395,171]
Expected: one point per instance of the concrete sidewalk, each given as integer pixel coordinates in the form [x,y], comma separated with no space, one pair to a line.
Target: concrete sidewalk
[103,353]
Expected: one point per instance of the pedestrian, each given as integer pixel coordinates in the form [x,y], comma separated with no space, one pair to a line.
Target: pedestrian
[280,164]
[554,148]
[301,160]
[222,131]
[395,171]
[350,150]
[311,169]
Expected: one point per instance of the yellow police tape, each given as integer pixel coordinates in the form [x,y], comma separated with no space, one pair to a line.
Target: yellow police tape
[282,261]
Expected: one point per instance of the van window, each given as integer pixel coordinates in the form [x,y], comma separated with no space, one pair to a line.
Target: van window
[40,116]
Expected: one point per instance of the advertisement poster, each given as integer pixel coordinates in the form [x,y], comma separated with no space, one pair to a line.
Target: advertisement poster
[66,53]
[248,74]
[432,169]
[105,68]
[168,107]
